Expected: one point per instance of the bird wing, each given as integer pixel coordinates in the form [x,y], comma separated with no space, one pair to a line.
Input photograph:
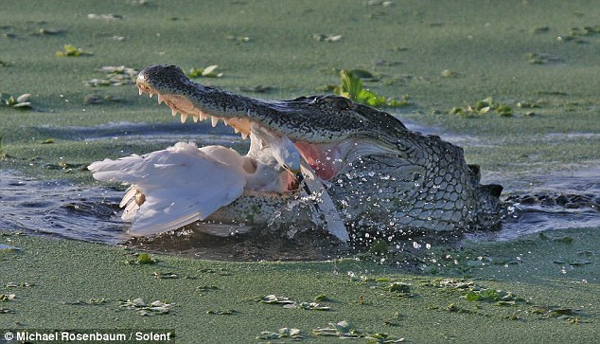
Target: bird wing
[181,185]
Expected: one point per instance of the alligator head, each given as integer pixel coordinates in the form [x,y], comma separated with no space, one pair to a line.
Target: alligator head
[380,176]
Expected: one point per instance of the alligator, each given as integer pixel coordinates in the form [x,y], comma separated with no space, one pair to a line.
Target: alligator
[320,162]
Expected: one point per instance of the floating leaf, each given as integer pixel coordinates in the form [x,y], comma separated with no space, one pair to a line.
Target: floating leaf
[71,51]
[225,312]
[243,39]
[90,302]
[107,17]
[343,328]
[144,258]
[273,299]
[23,97]
[399,287]
[166,275]
[7,297]
[285,332]
[288,303]
[308,306]
[206,72]
[205,288]
[483,107]
[155,307]
[326,38]
[447,73]
[15,285]
[491,295]
[20,102]
[321,298]
[352,88]
[580,262]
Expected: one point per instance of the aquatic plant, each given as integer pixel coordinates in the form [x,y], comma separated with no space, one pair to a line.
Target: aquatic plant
[483,107]
[352,88]
[319,37]
[146,309]
[345,329]
[289,303]
[285,332]
[115,76]
[144,258]
[71,51]
[577,33]
[20,102]
[206,72]
[7,297]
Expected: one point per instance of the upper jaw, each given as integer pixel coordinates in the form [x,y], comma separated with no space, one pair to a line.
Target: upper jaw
[182,105]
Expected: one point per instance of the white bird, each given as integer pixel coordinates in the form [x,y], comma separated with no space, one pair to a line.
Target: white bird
[174,187]
[182,184]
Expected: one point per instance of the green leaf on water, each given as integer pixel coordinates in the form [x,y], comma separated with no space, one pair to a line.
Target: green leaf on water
[321,298]
[482,107]
[400,288]
[144,258]
[206,72]
[206,288]
[352,88]
[71,51]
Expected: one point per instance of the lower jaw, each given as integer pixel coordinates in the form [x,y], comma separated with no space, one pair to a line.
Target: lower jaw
[256,210]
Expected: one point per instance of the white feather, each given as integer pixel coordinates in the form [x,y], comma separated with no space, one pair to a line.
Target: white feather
[181,185]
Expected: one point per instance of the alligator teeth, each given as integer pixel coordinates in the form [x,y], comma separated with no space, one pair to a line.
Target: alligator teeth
[150,94]
[214,120]
[140,91]
[203,116]
[244,135]
[184,117]
[225,121]
[173,112]
[160,99]
[195,118]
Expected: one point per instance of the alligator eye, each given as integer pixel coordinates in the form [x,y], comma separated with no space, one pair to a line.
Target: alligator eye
[338,103]
[342,104]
